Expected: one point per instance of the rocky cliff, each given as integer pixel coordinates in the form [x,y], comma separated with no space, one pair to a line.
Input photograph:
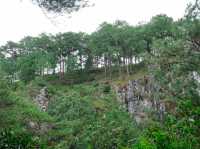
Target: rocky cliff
[138,98]
[42,99]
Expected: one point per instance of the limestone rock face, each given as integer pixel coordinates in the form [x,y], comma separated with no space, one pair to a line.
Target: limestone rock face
[137,98]
[42,99]
[39,128]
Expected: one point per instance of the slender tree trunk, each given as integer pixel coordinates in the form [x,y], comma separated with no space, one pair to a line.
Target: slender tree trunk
[105,66]
[127,67]
[135,60]
[97,62]
[54,71]
[61,67]
[110,67]
[131,64]
[105,70]
[40,71]
[60,63]
[124,64]
[81,62]
[119,65]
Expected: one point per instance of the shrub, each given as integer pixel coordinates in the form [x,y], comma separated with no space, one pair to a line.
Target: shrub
[107,88]
[9,139]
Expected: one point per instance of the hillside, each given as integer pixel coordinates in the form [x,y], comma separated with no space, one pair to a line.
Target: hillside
[120,87]
[81,115]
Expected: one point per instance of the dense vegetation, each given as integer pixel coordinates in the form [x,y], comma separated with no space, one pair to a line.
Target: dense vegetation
[78,70]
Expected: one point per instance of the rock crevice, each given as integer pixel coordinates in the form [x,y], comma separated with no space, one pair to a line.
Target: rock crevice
[137,98]
[42,99]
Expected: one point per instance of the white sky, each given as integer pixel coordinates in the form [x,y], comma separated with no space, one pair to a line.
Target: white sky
[19,18]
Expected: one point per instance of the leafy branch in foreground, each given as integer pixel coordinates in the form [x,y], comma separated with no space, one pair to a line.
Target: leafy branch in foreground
[60,6]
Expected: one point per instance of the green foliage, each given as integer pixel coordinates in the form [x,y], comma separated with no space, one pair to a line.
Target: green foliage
[70,108]
[177,132]
[86,115]
[16,111]
[84,119]
[8,66]
[71,64]
[107,88]
[10,139]
[4,91]
[27,67]
[144,143]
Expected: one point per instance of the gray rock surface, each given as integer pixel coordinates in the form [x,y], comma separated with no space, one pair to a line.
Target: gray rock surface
[39,128]
[137,98]
[42,99]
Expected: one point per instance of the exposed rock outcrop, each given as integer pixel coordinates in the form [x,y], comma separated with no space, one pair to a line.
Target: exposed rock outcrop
[138,98]
[39,128]
[42,99]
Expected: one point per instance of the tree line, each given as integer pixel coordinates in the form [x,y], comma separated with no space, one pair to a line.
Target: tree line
[117,45]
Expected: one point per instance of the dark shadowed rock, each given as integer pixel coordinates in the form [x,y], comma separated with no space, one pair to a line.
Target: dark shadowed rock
[137,97]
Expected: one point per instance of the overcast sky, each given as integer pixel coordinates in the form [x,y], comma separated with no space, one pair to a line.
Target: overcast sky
[20,18]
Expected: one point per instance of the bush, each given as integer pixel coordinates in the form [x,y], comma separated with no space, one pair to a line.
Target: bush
[87,121]
[9,139]
[144,143]
[4,93]
[107,88]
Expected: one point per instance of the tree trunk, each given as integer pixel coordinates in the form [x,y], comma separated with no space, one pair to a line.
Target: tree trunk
[127,67]
[97,62]
[81,62]
[105,66]
[119,65]
[61,67]
[131,65]
[54,71]
[110,67]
